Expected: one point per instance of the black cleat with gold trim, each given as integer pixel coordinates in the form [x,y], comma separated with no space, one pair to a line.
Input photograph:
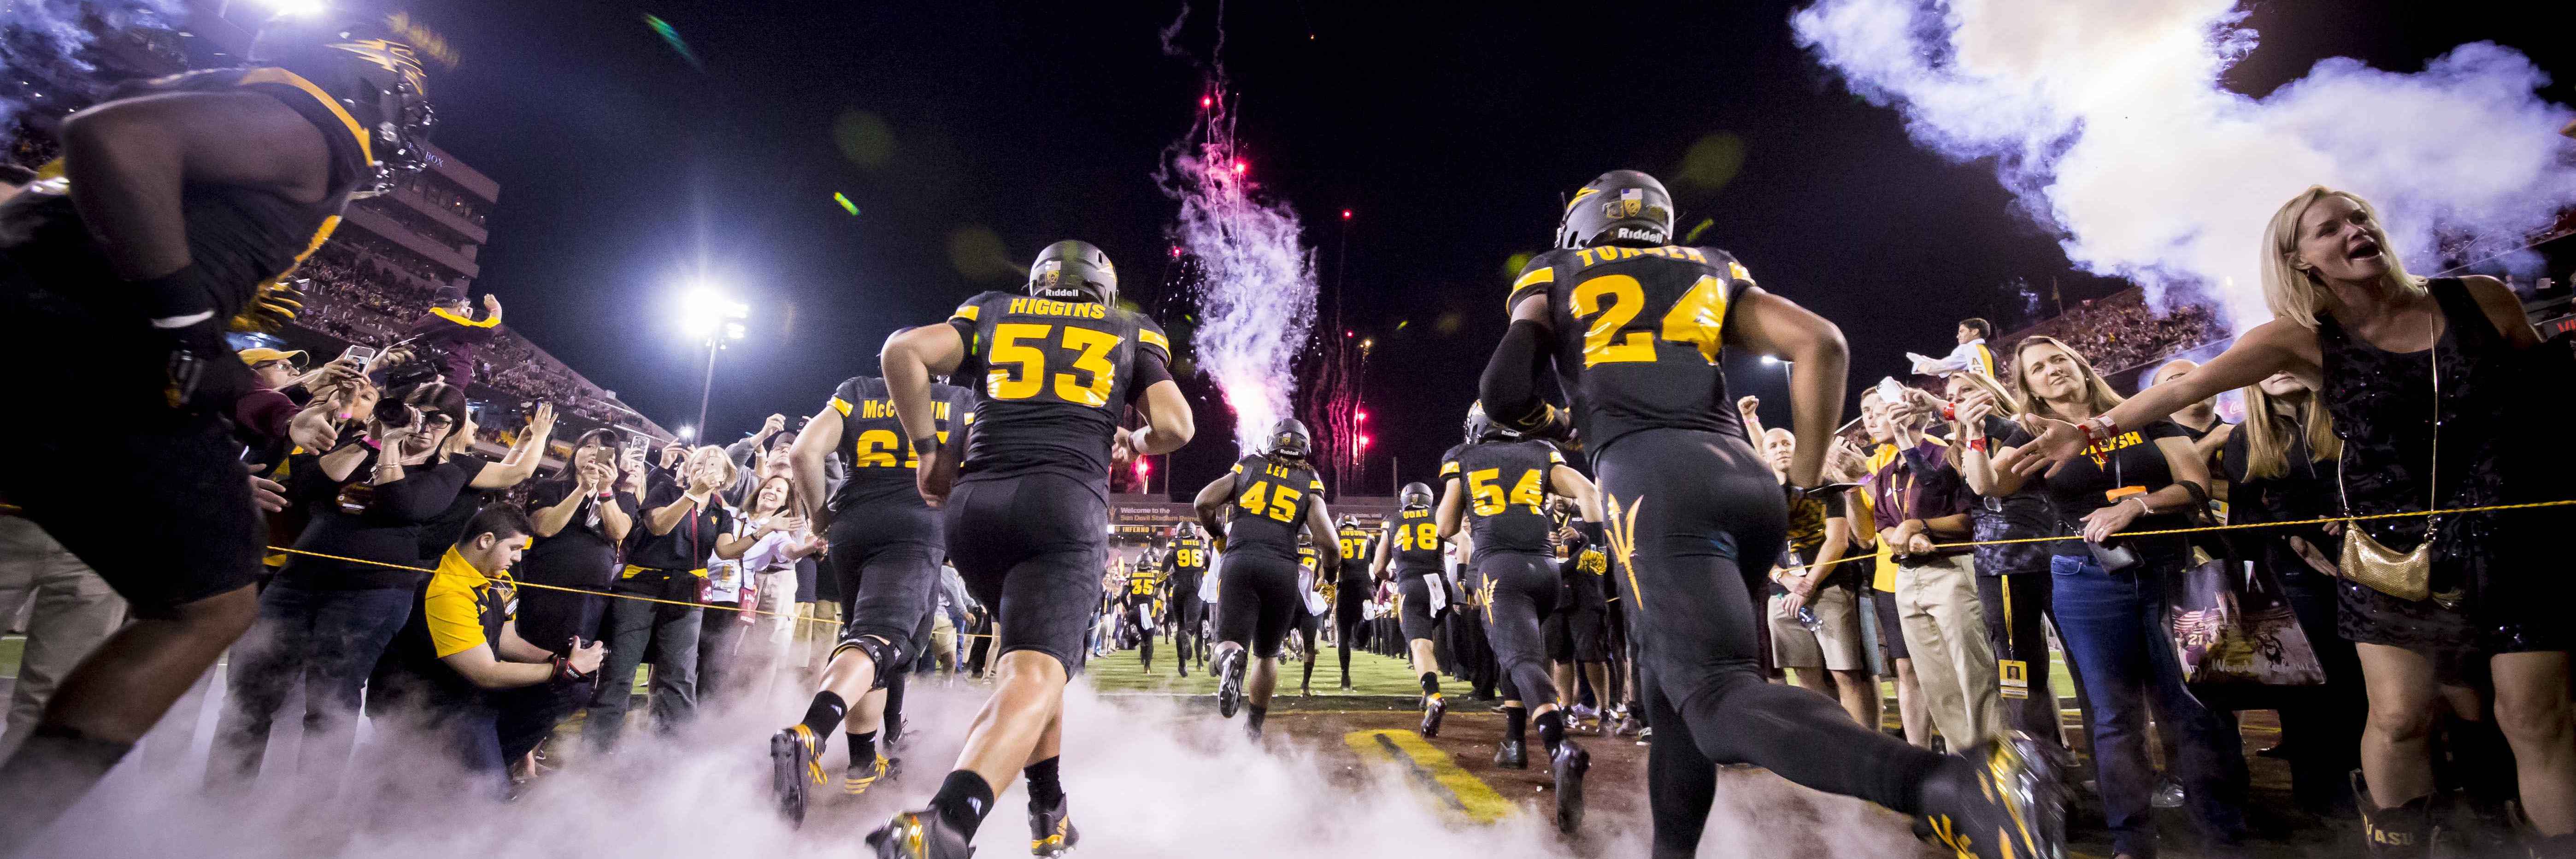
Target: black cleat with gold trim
[2004,799]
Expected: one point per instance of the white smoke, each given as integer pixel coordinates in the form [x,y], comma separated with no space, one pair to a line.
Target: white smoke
[2108,120]
[1148,776]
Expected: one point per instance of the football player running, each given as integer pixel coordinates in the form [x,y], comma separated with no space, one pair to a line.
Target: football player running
[1633,326]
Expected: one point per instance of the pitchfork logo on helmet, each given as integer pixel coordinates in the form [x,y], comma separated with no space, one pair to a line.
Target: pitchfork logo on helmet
[1415,494]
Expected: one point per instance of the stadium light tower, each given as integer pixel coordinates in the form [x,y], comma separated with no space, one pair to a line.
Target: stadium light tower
[714,319]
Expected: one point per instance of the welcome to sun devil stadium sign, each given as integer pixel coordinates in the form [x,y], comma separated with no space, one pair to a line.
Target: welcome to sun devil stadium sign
[1141,517]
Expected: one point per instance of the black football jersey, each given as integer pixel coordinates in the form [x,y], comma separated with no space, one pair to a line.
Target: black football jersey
[1355,546]
[1189,557]
[1638,331]
[1505,492]
[239,238]
[1269,506]
[1050,379]
[881,459]
[1417,541]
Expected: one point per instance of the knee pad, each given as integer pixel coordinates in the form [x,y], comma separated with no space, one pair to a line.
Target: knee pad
[890,658]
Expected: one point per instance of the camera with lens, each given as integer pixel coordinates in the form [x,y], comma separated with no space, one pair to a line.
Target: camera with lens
[392,412]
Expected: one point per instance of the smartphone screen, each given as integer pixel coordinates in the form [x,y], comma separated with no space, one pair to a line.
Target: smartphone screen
[364,355]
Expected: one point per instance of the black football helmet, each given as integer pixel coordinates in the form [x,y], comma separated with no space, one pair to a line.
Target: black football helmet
[1415,494]
[1289,438]
[1623,207]
[1074,271]
[376,69]
[1481,427]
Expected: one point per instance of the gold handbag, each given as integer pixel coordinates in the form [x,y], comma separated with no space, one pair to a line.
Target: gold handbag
[2404,575]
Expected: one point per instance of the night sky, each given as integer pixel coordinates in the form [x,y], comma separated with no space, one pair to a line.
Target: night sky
[969,134]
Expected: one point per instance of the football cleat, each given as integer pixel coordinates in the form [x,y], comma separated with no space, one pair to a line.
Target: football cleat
[1051,831]
[2009,802]
[919,834]
[1569,763]
[885,769]
[1512,755]
[794,766]
[1432,709]
[1229,683]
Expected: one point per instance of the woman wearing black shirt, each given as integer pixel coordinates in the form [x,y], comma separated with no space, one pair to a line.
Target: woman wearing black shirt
[2114,621]
[324,621]
[682,526]
[2407,365]
[2280,467]
[580,519]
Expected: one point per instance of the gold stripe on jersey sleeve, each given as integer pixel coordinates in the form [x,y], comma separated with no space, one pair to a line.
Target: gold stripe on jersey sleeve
[1540,276]
[1153,338]
[1449,469]
[842,406]
[282,76]
[967,312]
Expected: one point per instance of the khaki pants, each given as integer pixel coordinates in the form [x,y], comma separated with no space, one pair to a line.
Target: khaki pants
[1945,626]
[943,643]
[69,611]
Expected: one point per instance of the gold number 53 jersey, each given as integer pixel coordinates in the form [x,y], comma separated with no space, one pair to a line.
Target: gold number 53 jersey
[1638,332]
[1051,378]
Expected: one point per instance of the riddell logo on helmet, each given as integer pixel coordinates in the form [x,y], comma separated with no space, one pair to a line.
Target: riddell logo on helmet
[1638,234]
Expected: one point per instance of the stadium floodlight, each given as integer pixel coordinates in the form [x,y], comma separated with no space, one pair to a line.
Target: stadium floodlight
[714,319]
[297,8]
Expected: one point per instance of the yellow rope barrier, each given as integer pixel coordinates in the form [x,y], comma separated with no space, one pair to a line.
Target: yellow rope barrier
[2245,526]
[1869,557]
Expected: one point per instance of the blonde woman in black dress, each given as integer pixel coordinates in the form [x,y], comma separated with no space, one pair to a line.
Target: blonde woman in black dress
[2400,361]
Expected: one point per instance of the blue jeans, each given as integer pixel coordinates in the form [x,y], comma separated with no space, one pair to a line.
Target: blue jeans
[2115,632]
[326,640]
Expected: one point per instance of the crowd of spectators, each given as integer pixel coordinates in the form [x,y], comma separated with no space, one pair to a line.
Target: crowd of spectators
[2121,332]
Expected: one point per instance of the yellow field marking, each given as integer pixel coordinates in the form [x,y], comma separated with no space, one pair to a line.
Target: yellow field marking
[1434,770]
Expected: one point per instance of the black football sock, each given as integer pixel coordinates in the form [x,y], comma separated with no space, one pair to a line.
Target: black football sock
[1431,683]
[1551,729]
[1515,721]
[827,710]
[1255,715]
[863,751]
[962,801]
[1045,787]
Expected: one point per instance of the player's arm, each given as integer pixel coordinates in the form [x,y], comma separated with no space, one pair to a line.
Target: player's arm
[821,436]
[1168,422]
[909,359]
[1319,525]
[1511,381]
[1378,556]
[1565,481]
[1770,325]
[129,160]
[1211,501]
[1451,508]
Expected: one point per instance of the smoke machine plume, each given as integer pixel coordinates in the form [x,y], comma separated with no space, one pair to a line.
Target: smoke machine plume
[2110,123]
[1257,299]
